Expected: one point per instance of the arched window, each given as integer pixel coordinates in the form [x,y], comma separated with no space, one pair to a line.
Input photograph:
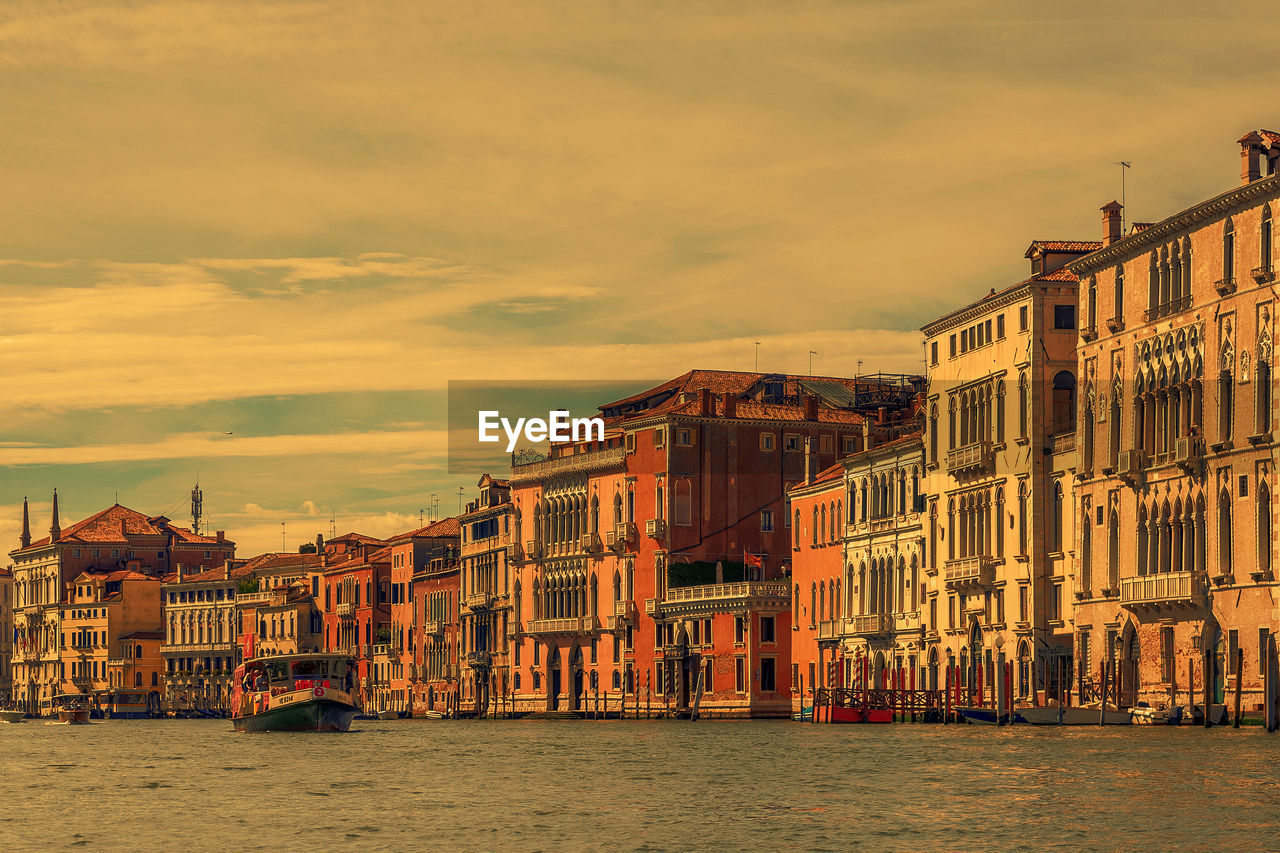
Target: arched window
[822,601]
[1113,552]
[933,535]
[1022,518]
[1086,553]
[999,523]
[795,533]
[813,604]
[155,679]
[137,679]
[795,608]
[902,493]
[822,535]
[1064,401]
[1262,395]
[1117,307]
[933,434]
[1153,285]
[1229,251]
[1264,526]
[999,417]
[1093,304]
[1264,241]
[951,426]
[1057,518]
[1224,531]
[1024,405]
[1225,404]
[951,529]
[815,526]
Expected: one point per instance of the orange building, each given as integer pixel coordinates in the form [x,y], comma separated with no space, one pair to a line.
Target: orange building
[356,584]
[396,674]
[437,586]
[100,610]
[137,664]
[655,559]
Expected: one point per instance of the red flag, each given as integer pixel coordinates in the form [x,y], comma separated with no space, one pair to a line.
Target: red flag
[753,560]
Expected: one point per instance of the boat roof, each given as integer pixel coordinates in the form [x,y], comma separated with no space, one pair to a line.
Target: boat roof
[299,656]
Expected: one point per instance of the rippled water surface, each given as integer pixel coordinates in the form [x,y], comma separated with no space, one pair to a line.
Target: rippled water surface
[423,784]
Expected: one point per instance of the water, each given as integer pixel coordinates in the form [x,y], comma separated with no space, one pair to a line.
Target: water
[552,785]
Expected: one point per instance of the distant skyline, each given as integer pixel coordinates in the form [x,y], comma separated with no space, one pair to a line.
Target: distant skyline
[255,241]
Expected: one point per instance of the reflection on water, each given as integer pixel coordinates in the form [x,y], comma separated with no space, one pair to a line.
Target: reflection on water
[636,785]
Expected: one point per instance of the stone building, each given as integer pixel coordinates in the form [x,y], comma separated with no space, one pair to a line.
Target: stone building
[6,636]
[437,587]
[200,636]
[100,609]
[1001,399]
[1177,442]
[398,677]
[487,549]
[117,539]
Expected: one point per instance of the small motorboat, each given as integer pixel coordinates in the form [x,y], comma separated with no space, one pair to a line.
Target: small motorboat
[1075,715]
[72,707]
[1143,714]
[12,716]
[1217,715]
[388,715]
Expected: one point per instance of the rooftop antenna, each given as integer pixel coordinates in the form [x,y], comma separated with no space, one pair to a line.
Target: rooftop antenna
[811,355]
[859,370]
[333,525]
[459,500]
[757,356]
[420,523]
[283,549]
[1123,164]
[197,506]
[432,507]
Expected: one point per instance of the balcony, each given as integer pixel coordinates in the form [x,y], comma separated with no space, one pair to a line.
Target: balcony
[1115,324]
[433,627]
[543,627]
[830,629]
[651,606]
[1089,333]
[624,532]
[969,572]
[973,458]
[624,612]
[908,621]
[1131,465]
[655,527]
[1062,442]
[1187,452]
[589,542]
[247,599]
[578,463]
[722,597]
[1225,286]
[514,553]
[1169,589]
[870,625]
[479,600]
[345,609]
[533,549]
[381,650]
[82,680]
[1263,273]
[197,648]
[479,660]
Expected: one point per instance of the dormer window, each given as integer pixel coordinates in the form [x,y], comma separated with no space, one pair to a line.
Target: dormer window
[1037,264]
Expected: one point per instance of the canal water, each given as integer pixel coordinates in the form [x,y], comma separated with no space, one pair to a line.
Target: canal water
[557,785]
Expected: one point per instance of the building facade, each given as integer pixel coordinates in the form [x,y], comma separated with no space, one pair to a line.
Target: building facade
[1002,385]
[487,552]
[1177,444]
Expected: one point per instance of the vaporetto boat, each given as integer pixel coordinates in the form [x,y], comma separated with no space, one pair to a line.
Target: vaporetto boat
[293,693]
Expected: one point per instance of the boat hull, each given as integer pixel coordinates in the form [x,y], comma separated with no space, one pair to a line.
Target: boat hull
[1073,716]
[12,716]
[312,715]
[987,716]
[73,716]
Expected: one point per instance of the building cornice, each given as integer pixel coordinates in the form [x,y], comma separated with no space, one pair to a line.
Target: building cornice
[1162,231]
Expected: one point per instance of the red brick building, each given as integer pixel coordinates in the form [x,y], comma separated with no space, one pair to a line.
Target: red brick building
[396,663]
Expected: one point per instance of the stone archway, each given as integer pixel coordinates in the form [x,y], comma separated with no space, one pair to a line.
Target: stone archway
[577,671]
[1130,658]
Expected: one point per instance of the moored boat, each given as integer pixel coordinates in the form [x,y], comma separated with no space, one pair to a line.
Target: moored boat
[988,716]
[12,716]
[1144,715]
[293,693]
[1074,715]
[72,707]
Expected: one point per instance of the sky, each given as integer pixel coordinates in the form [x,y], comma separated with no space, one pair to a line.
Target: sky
[253,241]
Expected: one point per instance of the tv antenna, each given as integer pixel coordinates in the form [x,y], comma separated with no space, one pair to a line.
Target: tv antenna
[1124,165]
[757,356]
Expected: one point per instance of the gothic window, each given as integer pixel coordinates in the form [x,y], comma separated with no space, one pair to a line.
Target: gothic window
[1264,239]
[1228,251]
[1264,525]
[1117,308]
[1064,401]
[1224,531]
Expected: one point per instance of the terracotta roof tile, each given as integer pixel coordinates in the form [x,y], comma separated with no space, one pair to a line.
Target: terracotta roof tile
[1082,246]
[444,527]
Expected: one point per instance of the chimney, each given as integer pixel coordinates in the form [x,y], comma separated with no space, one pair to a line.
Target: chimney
[1112,212]
[55,529]
[866,434]
[226,570]
[730,406]
[1251,145]
[319,543]
[808,460]
[705,407]
[221,535]
[811,407]
[882,415]
[25,539]
[181,573]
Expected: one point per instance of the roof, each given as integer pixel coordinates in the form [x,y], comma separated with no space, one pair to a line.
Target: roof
[117,523]
[1062,274]
[118,575]
[270,561]
[1080,247]
[443,527]
[144,635]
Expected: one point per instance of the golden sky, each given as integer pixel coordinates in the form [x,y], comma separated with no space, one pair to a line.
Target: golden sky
[295,221]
